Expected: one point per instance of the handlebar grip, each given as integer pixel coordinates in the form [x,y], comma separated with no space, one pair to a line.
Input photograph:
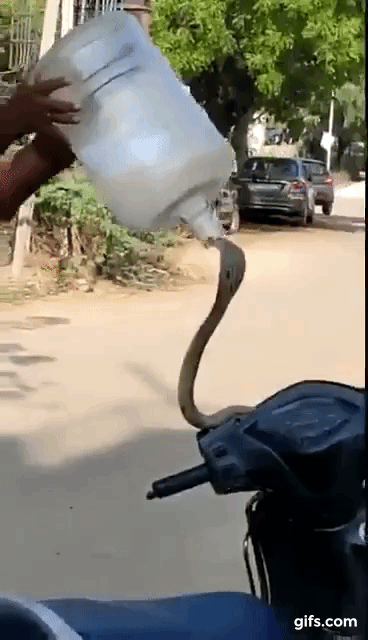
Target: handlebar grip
[179,482]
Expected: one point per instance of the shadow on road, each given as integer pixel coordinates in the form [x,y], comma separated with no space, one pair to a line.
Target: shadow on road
[340,223]
[272,224]
[32,322]
[152,381]
[11,384]
[12,355]
[88,528]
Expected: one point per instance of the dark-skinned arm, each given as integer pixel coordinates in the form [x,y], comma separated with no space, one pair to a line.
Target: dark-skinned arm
[32,109]
[31,167]
[6,139]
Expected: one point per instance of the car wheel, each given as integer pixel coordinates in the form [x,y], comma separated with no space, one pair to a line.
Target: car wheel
[302,219]
[327,208]
[310,213]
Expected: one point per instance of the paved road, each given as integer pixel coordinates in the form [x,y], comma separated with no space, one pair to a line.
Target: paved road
[89,415]
[354,191]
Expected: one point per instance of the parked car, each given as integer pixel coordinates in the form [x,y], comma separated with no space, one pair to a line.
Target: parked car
[355,160]
[322,182]
[278,185]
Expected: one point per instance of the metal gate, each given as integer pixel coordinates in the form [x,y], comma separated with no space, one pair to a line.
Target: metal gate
[85,9]
[24,36]
[24,39]
[20,45]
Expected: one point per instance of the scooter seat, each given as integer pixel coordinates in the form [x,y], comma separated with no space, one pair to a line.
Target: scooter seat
[213,616]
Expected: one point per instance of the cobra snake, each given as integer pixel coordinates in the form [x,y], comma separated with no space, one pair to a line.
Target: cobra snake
[232,270]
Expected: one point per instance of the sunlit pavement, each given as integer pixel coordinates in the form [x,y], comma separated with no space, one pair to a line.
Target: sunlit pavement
[89,416]
[356,190]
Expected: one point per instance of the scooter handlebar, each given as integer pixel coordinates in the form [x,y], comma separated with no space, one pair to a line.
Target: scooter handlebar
[300,434]
[179,482]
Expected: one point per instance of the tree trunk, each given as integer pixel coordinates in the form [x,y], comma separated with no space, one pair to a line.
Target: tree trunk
[76,242]
[62,237]
[24,226]
[239,138]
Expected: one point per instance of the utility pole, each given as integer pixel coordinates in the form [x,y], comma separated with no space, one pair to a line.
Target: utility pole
[330,132]
[49,26]
[142,10]
[25,213]
[67,16]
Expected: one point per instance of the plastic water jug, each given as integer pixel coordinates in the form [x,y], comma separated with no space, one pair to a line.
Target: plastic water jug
[150,150]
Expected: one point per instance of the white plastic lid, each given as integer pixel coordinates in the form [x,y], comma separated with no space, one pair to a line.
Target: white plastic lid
[197,213]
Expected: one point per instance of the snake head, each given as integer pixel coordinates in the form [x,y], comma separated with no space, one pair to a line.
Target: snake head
[232,266]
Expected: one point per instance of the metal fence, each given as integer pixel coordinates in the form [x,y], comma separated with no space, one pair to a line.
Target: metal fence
[21,45]
[24,41]
[85,9]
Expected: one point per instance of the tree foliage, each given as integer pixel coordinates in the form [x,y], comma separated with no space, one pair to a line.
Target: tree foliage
[192,34]
[284,55]
[351,100]
[348,122]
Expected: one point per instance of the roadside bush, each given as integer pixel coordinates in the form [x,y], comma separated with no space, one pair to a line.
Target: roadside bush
[67,208]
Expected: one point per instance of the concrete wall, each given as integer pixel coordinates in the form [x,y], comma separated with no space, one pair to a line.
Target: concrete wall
[279,150]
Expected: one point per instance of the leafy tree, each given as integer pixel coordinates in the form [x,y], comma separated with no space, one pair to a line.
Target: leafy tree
[283,55]
[350,99]
[349,120]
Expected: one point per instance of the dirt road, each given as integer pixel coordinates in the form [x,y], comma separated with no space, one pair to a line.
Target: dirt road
[89,415]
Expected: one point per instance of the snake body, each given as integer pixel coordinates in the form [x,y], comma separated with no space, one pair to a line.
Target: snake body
[232,270]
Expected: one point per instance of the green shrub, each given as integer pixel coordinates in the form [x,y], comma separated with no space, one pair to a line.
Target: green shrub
[69,201]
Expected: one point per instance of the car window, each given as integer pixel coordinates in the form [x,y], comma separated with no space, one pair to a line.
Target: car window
[306,170]
[253,164]
[271,169]
[283,170]
[316,168]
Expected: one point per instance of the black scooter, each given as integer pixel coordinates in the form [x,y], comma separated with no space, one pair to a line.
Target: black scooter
[302,451]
